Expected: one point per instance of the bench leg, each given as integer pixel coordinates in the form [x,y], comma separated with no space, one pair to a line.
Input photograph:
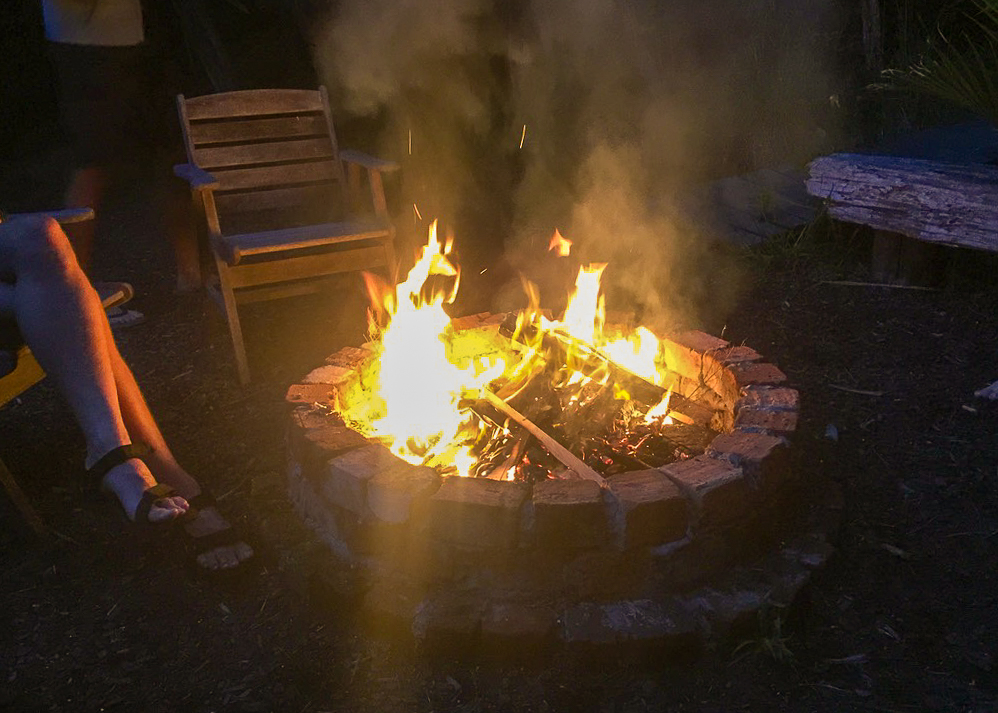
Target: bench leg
[900,260]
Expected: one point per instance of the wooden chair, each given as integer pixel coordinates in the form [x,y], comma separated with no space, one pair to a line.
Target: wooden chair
[283,206]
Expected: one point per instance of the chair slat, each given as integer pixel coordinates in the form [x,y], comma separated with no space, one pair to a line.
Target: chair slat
[313,196]
[306,236]
[275,176]
[269,152]
[308,266]
[252,102]
[257,129]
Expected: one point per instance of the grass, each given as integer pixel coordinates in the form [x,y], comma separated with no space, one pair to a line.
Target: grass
[770,640]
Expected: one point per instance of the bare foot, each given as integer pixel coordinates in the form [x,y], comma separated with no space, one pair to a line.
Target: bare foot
[209,522]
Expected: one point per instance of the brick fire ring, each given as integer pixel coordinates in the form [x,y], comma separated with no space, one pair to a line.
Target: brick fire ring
[677,555]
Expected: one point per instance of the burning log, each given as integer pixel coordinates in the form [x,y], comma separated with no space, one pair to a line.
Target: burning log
[557,347]
[517,452]
[565,456]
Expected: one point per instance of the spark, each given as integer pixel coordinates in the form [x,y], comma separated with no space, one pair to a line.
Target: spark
[416,210]
[523,135]
[410,142]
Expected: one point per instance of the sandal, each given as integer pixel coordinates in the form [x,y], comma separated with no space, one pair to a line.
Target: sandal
[115,457]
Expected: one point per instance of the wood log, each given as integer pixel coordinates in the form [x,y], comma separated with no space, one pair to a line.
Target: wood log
[564,456]
[951,204]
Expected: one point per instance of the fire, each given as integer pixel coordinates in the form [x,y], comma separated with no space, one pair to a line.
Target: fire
[560,245]
[414,393]
[410,393]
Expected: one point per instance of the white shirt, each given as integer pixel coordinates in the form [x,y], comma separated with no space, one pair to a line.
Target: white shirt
[94,22]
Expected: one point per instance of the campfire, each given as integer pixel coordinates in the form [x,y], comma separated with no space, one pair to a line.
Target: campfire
[548,476]
[541,398]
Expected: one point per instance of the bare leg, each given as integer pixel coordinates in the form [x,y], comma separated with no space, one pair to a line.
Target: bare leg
[61,318]
[183,235]
[86,189]
[142,427]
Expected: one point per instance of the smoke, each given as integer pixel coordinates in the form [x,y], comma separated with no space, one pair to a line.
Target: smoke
[595,117]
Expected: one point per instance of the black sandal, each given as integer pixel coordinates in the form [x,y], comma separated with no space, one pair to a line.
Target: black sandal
[115,457]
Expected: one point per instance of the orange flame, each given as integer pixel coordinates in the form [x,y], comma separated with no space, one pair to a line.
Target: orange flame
[560,244]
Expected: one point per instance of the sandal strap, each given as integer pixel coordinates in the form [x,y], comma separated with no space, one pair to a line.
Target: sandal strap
[202,500]
[149,498]
[115,457]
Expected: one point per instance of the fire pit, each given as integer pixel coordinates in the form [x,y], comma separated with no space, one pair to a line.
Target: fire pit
[586,503]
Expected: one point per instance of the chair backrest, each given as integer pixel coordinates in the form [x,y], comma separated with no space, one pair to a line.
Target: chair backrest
[273,152]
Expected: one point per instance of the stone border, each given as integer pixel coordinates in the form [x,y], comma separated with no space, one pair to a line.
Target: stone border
[473,558]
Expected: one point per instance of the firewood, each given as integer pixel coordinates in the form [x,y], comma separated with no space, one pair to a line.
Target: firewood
[565,456]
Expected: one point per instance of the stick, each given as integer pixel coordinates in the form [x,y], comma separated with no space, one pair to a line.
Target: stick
[565,456]
[856,391]
[519,450]
[850,283]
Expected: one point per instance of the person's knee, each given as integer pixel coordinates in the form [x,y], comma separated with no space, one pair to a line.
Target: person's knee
[41,248]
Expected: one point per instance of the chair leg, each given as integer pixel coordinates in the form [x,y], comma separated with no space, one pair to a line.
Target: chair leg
[20,501]
[391,267]
[232,317]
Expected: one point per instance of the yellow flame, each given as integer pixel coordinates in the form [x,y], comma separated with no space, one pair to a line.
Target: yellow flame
[560,244]
[409,394]
[413,388]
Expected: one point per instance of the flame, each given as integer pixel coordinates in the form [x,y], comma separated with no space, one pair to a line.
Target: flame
[560,244]
[410,394]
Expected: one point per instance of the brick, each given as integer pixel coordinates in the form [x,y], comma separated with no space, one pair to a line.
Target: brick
[699,341]
[348,357]
[749,374]
[774,398]
[779,423]
[328,374]
[569,514]
[449,622]
[309,394]
[315,435]
[762,457]
[652,507]
[717,489]
[476,513]
[627,620]
[391,493]
[518,624]
[345,481]
[682,360]
[734,355]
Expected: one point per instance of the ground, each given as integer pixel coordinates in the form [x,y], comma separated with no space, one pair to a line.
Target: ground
[107,616]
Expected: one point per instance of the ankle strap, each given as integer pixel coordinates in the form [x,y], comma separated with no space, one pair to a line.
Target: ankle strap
[115,457]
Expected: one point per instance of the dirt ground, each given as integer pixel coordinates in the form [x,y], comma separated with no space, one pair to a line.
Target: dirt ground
[107,616]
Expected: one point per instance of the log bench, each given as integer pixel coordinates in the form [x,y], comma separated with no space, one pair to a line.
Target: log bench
[916,207]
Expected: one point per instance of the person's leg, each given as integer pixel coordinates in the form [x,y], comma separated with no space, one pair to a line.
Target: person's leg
[61,318]
[142,427]
[86,190]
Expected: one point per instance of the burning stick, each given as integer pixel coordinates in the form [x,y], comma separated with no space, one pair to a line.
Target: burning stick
[566,457]
[516,455]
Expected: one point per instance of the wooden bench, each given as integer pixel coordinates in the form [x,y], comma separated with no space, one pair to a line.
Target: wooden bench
[915,206]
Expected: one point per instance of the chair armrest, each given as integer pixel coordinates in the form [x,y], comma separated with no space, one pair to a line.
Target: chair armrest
[369,162]
[65,216]
[198,178]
